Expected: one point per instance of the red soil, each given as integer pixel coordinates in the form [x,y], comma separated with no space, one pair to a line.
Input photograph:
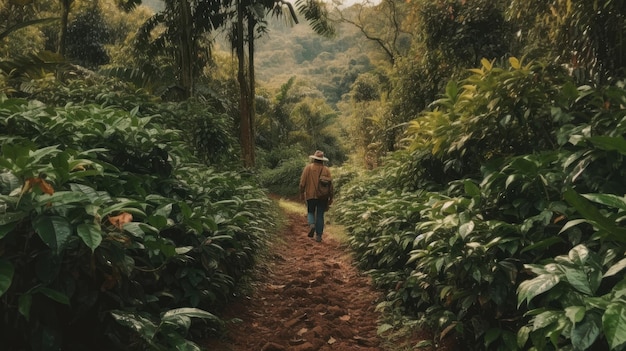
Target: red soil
[307,296]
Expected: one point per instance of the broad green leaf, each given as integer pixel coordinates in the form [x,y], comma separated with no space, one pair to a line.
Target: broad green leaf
[90,234]
[584,334]
[528,289]
[55,295]
[570,90]
[164,210]
[24,304]
[608,200]
[54,231]
[123,206]
[180,322]
[383,328]
[609,143]
[491,335]
[159,222]
[185,345]
[545,319]
[614,323]
[183,250]
[62,198]
[471,188]
[465,229]
[571,224]
[139,230]
[188,312]
[616,268]
[448,207]
[509,339]
[579,254]
[140,324]
[452,89]
[510,180]
[543,244]
[524,166]
[6,275]
[575,313]
[592,214]
[90,192]
[522,336]
[38,154]
[185,209]
[12,217]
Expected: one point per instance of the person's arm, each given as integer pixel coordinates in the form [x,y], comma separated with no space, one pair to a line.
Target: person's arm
[303,178]
[332,187]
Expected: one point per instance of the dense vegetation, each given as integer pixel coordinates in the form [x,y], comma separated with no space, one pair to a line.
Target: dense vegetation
[479,152]
[503,228]
[109,222]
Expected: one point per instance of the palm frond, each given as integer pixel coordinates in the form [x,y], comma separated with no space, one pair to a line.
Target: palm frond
[24,24]
[316,13]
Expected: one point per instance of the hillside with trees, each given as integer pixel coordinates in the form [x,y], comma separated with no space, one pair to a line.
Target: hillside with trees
[477,151]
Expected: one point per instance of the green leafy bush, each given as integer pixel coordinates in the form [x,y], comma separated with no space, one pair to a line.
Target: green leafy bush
[486,197]
[108,222]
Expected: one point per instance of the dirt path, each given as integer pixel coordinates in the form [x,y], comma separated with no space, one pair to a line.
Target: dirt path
[308,297]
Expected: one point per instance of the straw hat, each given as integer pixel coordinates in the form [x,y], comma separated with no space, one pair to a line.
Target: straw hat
[319,155]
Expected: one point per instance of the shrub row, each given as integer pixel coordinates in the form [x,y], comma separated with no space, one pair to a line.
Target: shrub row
[502,221]
[112,234]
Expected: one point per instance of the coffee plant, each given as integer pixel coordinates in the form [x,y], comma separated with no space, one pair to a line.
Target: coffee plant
[112,234]
[501,224]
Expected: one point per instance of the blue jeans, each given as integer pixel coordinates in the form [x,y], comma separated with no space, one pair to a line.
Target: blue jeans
[315,214]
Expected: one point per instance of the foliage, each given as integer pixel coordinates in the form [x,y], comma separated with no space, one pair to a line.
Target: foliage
[205,128]
[492,114]
[386,24]
[581,302]
[86,37]
[108,222]
[586,36]
[284,179]
[488,186]
[463,33]
[295,124]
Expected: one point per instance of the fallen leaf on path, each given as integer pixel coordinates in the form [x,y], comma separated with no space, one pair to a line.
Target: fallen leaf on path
[331,341]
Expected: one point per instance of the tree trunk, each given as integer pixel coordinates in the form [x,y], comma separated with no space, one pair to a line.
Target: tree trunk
[187,48]
[245,127]
[65,13]
[251,82]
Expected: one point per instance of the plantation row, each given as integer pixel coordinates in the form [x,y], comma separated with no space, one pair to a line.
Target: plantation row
[502,223]
[112,234]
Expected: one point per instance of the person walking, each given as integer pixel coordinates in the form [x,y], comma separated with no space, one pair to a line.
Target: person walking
[316,190]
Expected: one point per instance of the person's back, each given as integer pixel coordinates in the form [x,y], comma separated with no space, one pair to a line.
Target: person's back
[309,191]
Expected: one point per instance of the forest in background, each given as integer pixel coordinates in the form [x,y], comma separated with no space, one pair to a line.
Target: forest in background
[477,149]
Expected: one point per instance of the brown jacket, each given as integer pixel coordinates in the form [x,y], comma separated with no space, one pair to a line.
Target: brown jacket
[310,178]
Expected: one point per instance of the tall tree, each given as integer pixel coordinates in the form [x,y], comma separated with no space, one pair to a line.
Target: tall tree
[252,15]
[66,6]
[87,35]
[185,22]
[383,23]
[587,36]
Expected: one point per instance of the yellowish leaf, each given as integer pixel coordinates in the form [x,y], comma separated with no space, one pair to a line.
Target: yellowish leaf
[487,64]
[121,219]
[41,183]
[514,63]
